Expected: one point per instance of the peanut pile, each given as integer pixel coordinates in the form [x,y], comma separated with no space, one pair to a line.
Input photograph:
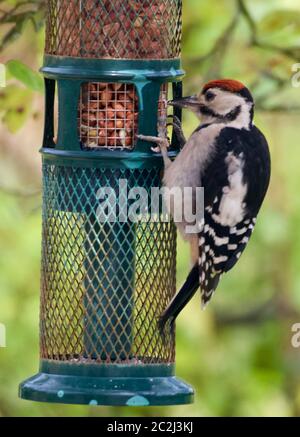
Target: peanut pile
[128,29]
[108,115]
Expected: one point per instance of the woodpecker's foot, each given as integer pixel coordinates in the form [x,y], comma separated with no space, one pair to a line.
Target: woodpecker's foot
[162,143]
[175,121]
[177,126]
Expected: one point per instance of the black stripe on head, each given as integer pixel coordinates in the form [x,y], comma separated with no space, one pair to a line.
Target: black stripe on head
[245,93]
[205,110]
[230,116]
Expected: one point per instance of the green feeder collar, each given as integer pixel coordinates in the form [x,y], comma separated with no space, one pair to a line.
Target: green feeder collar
[119,385]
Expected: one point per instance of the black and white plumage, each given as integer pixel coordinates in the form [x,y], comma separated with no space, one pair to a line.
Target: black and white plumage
[235,184]
[229,157]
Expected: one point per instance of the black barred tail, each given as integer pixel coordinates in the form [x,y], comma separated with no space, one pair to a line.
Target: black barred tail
[181,299]
[208,289]
[220,248]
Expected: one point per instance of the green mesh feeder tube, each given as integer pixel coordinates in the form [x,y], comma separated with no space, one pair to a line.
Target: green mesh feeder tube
[111,66]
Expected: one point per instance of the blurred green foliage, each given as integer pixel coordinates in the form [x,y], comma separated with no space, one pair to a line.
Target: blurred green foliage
[237,354]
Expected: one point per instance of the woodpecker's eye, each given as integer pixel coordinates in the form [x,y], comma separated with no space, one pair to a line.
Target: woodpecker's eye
[209,96]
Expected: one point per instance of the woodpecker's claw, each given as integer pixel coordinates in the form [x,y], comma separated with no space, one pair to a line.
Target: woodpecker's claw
[163,145]
[177,126]
[175,119]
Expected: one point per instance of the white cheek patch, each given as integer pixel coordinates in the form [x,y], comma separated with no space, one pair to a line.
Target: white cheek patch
[226,101]
[232,208]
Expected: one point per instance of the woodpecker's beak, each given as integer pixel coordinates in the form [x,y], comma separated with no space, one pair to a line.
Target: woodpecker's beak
[190,102]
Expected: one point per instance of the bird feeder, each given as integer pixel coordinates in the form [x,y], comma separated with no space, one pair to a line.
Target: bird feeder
[111,65]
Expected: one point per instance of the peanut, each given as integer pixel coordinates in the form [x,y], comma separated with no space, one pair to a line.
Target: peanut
[123,97]
[90,87]
[110,113]
[116,86]
[128,125]
[92,120]
[85,116]
[106,96]
[126,22]
[102,138]
[132,117]
[124,138]
[111,29]
[132,94]
[138,22]
[119,110]
[119,124]
[93,133]
[129,106]
[154,31]
[93,106]
[110,126]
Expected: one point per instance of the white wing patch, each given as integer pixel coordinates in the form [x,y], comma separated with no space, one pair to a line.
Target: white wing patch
[232,208]
[220,259]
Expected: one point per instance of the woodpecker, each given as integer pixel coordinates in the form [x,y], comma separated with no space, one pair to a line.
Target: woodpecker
[229,157]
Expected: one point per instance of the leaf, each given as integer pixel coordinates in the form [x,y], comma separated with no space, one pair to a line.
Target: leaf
[26,75]
[280,27]
[14,120]
[15,106]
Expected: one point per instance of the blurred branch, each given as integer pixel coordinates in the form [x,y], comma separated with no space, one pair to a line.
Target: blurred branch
[8,16]
[215,56]
[255,315]
[220,45]
[245,13]
[292,52]
[278,108]
[17,16]
[275,308]
[270,75]
[280,85]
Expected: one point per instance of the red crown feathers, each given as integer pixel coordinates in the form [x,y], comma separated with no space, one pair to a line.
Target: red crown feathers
[231,85]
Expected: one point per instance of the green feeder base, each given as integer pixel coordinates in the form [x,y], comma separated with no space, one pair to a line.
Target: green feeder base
[106,390]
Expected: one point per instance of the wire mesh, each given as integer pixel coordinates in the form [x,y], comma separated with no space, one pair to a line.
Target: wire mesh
[103,285]
[119,29]
[108,114]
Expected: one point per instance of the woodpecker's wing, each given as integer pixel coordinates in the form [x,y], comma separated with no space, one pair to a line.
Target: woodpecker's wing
[235,182]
